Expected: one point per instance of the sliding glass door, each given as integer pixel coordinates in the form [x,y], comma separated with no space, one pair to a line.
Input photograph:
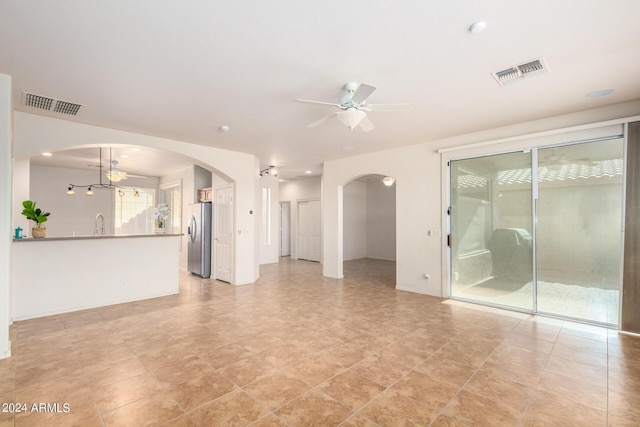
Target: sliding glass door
[552,245]
[491,230]
[579,230]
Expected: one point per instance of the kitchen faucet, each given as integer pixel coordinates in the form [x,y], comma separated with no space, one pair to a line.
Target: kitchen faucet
[99,230]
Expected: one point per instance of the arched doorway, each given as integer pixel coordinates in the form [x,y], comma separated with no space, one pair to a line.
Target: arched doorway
[369,229]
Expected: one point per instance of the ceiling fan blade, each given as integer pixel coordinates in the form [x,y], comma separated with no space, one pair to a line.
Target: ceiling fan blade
[134,176]
[362,93]
[322,120]
[366,124]
[389,107]
[307,101]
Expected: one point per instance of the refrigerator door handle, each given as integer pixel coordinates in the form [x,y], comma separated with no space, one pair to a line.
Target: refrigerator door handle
[192,229]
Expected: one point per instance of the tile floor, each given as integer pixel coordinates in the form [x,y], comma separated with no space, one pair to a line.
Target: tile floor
[298,349]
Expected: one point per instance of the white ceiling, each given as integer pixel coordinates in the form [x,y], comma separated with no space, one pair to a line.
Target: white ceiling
[181,70]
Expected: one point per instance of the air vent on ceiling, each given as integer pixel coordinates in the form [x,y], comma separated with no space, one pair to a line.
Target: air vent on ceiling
[50,104]
[520,72]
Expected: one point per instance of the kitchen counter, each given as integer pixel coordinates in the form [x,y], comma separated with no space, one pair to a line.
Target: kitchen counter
[91,237]
[55,275]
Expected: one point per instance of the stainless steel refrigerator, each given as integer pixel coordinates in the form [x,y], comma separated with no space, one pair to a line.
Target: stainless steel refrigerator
[199,244]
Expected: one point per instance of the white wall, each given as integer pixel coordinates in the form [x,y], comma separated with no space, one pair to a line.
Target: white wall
[77,274]
[355,220]
[420,189]
[270,252]
[186,178]
[381,221]
[35,134]
[76,213]
[5,212]
[21,185]
[293,191]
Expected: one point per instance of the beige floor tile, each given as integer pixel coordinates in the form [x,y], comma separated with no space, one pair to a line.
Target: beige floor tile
[269,421]
[234,409]
[294,330]
[314,409]
[153,410]
[500,388]
[276,389]
[446,370]
[548,409]
[475,410]
[382,370]
[445,421]
[314,370]
[114,395]
[394,409]
[351,389]
[426,389]
[200,389]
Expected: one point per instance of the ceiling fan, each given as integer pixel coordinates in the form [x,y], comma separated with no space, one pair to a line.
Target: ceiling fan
[353,107]
[113,173]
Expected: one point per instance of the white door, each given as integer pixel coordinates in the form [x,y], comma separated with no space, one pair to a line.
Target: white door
[223,233]
[285,232]
[309,230]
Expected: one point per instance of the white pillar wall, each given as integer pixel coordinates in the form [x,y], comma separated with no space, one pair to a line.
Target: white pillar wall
[6,187]
[34,134]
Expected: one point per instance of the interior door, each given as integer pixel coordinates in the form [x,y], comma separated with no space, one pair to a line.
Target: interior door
[285,232]
[309,230]
[223,233]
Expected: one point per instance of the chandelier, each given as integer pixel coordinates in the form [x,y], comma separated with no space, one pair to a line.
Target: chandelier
[113,175]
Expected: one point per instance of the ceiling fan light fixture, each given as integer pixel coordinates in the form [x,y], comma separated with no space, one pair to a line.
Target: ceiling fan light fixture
[351,117]
[113,176]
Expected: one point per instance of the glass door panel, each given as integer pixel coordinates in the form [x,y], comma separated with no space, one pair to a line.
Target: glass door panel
[578,231]
[491,230]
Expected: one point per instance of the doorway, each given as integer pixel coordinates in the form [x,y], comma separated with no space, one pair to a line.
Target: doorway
[285,229]
[309,223]
[223,233]
[540,231]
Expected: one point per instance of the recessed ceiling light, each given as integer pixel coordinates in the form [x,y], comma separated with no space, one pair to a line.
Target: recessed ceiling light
[599,93]
[135,149]
[348,148]
[124,156]
[307,172]
[47,154]
[477,27]
[224,128]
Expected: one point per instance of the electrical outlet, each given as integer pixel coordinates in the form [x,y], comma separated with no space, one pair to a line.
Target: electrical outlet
[124,284]
[426,276]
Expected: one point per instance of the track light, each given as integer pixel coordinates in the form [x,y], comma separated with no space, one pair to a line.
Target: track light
[70,191]
[271,170]
[136,194]
[120,193]
[89,192]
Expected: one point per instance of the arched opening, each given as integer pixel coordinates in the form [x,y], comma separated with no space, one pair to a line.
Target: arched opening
[153,177]
[369,229]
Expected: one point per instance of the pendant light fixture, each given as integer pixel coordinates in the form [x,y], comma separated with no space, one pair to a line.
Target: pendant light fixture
[113,174]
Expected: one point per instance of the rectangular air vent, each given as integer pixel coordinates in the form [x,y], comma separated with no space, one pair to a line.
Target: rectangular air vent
[50,104]
[519,72]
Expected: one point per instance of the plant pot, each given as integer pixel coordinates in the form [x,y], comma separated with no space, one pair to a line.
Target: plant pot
[39,232]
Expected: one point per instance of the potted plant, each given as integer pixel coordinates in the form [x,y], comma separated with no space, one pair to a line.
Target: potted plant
[38,216]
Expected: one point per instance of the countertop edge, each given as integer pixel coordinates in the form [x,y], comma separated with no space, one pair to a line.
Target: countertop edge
[113,236]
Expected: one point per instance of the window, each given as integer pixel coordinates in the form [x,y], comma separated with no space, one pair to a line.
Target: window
[266,216]
[134,211]
[171,195]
